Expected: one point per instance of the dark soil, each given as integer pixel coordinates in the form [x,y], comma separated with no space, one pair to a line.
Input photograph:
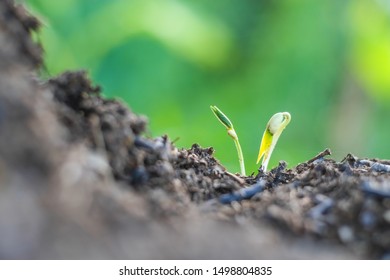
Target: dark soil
[78,179]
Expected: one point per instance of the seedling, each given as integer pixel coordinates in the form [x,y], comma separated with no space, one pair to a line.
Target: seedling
[232,133]
[273,130]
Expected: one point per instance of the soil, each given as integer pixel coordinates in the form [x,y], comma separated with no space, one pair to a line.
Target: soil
[79,180]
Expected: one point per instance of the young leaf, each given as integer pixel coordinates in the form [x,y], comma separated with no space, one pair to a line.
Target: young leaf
[222,117]
[274,129]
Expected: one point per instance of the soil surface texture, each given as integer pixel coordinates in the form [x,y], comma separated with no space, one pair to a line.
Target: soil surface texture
[79,180]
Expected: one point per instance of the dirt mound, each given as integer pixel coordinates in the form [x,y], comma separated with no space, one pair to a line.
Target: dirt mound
[80,180]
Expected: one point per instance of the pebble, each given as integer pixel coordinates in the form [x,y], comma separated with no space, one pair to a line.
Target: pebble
[346,234]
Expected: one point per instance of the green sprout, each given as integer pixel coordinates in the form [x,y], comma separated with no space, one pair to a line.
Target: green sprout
[273,130]
[232,133]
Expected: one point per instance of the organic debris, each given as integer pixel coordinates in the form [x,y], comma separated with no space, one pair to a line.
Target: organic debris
[80,180]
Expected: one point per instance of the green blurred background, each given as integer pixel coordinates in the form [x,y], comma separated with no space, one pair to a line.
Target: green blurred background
[325,62]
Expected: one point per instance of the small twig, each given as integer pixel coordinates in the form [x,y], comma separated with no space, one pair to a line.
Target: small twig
[373,165]
[175,140]
[235,177]
[244,193]
[327,152]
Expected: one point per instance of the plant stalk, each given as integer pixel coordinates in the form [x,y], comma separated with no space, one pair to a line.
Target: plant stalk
[240,156]
[232,133]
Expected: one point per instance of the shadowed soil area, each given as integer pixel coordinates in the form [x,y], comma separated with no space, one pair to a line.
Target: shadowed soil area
[80,180]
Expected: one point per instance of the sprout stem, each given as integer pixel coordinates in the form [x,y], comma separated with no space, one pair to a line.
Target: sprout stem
[240,156]
[232,133]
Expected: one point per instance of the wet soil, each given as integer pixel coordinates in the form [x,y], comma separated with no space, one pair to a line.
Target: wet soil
[80,180]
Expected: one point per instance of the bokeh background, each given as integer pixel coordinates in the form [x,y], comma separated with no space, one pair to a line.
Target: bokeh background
[325,62]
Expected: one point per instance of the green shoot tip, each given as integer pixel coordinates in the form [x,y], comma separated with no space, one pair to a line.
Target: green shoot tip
[222,117]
